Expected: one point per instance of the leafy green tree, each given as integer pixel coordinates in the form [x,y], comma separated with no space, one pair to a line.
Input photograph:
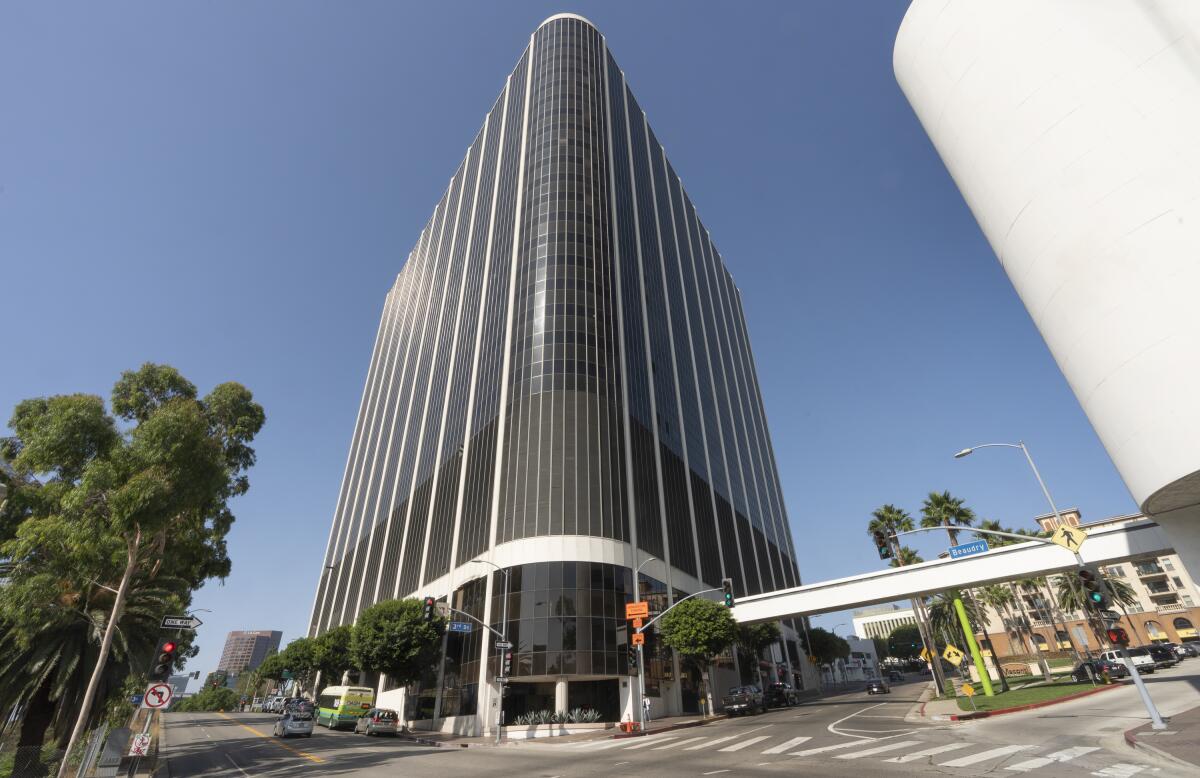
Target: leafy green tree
[889,520]
[209,699]
[905,556]
[881,647]
[944,618]
[331,653]
[700,631]
[393,637]
[904,642]
[752,639]
[944,510]
[94,504]
[826,646]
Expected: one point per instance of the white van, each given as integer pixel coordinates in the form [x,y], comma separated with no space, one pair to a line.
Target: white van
[1140,656]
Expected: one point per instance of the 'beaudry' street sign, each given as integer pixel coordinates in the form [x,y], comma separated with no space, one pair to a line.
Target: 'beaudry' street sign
[968,549]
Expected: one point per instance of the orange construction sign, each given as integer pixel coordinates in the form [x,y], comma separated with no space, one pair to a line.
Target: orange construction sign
[637,610]
[637,623]
[637,639]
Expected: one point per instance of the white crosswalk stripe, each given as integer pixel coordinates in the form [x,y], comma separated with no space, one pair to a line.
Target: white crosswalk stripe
[823,749]
[678,743]
[893,746]
[651,742]
[598,745]
[915,755]
[744,744]
[1120,770]
[711,743]
[784,746]
[1066,755]
[983,756]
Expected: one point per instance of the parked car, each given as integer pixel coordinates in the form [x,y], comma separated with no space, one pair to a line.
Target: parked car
[1140,656]
[1163,656]
[1180,652]
[1187,649]
[378,721]
[294,722]
[744,699]
[895,675]
[1095,668]
[780,695]
[878,686]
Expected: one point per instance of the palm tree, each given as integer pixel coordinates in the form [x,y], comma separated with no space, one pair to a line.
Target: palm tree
[906,556]
[943,510]
[944,617]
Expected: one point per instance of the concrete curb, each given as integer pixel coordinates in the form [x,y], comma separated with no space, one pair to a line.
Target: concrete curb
[985,714]
[671,728]
[425,741]
[1141,745]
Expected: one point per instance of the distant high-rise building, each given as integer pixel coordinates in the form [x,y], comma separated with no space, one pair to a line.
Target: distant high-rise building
[562,387]
[246,650]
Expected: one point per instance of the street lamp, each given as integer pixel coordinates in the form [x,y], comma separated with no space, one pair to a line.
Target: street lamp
[504,637]
[1021,445]
[641,660]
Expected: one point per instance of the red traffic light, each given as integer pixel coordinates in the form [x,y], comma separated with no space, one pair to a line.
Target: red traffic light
[1118,636]
[168,647]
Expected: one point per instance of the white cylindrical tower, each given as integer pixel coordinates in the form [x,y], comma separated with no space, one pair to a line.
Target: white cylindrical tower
[1072,129]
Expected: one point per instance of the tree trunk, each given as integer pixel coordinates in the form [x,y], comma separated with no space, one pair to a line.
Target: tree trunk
[110,629]
[39,712]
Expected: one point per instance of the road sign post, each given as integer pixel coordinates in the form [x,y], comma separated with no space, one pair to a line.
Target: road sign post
[985,678]
[952,655]
[180,622]
[157,696]
[458,626]
[140,745]
[969,549]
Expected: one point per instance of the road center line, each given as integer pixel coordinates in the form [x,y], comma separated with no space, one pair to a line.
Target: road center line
[295,751]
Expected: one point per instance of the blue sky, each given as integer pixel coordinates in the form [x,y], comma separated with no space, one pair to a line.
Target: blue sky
[231,187]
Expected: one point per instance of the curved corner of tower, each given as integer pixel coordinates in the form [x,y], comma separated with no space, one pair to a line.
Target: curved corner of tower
[576,17]
[900,48]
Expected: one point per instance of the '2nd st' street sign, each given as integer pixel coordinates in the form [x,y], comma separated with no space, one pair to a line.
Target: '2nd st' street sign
[969,549]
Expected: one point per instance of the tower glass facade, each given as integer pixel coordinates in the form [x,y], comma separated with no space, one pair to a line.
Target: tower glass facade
[561,386]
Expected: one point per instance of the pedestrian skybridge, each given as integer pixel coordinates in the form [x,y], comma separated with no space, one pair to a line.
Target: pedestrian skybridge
[1104,545]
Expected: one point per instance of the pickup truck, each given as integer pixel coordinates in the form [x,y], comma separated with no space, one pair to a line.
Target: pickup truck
[744,699]
[780,695]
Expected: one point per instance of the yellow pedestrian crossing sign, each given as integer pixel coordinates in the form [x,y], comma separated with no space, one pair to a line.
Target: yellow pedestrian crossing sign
[952,655]
[968,690]
[1070,538]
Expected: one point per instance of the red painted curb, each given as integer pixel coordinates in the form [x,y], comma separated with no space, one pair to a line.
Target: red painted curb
[983,714]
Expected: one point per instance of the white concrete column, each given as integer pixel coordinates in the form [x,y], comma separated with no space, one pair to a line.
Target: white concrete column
[560,694]
[1183,528]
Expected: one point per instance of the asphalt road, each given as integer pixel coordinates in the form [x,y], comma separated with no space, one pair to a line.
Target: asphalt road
[852,734]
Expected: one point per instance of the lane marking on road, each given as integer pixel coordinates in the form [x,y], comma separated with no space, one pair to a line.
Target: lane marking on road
[235,764]
[744,743]
[1120,770]
[272,738]
[678,743]
[779,749]
[823,749]
[600,745]
[714,772]
[710,743]
[879,749]
[914,756]
[983,756]
[1066,755]
[651,742]
[833,730]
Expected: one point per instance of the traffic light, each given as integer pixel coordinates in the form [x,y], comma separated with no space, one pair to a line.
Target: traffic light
[428,611]
[727,587]
[632,658]
[1095,591]
[882,545]
[506,664]
[1118,637]
[164,660]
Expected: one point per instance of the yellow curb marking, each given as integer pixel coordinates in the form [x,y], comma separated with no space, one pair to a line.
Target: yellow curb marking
[295,751]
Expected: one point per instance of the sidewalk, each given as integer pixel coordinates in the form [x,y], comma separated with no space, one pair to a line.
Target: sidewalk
[1178,743]
[453,740]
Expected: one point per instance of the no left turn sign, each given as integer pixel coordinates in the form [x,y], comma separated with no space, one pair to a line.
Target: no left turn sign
[158,695]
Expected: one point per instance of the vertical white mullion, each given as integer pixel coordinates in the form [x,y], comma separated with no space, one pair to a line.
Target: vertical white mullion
[712,488]
[462,288]
[717,399]
[506,363]
[434,344]
[737,355]
[719,323]
[319,601]
[616,260]
[371,513]
[485,280]
[637,234]
[662,272]
[419,342]
[418,303]
[687,467]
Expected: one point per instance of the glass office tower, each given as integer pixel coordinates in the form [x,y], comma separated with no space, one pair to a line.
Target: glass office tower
[561,388]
